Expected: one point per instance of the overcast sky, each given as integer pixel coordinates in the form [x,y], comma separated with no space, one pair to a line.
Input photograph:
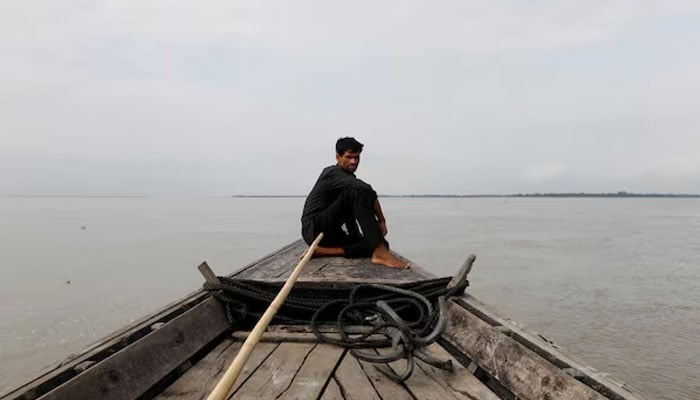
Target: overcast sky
[172,97]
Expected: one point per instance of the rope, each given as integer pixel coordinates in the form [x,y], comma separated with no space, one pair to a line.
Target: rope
[409,316]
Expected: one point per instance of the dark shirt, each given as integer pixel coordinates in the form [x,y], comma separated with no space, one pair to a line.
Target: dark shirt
[328,187]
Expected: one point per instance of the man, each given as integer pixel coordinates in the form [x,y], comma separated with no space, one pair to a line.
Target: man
[347,211]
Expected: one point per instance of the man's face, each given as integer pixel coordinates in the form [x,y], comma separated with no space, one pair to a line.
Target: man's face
[348,161]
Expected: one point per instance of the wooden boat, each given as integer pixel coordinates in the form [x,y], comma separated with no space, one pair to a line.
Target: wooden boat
[181,351]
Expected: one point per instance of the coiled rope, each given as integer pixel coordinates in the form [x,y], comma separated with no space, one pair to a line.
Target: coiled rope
[410,316]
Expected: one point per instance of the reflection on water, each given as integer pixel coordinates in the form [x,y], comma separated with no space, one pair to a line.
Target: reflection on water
[615,282]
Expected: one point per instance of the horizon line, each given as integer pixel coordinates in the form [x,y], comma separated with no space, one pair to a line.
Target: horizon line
[536,194]
[444,195]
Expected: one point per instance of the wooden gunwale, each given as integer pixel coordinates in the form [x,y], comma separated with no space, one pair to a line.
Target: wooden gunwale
[548,350]
[103,348]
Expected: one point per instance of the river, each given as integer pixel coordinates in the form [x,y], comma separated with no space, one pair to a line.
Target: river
[614,282]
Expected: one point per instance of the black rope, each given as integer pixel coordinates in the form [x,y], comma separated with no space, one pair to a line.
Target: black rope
[409,316]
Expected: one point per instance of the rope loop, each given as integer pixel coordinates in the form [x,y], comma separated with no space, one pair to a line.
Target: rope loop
[407,318]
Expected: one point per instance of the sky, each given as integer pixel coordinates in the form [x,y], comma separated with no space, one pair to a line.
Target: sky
[217,98]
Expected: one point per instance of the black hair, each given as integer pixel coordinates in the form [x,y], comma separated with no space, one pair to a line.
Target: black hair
[348,144]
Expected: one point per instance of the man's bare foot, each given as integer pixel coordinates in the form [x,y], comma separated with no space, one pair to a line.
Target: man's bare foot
[383,256]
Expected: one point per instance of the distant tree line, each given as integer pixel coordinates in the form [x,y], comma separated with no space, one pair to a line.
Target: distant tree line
[580,194]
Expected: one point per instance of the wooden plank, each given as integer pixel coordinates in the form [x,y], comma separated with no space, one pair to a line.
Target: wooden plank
[314,373]
[526,374]
[130,372]
[332,391]
[195,383]
[274,264]
[315,265]
[291,247]
[601,382]
[199,380]
[461,382]
[277,267]
[296,337]
[385,387]
[276,373]
[420,384]
[353,382]
[67,369]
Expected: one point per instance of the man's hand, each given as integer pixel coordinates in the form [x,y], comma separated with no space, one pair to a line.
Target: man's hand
[380,217]
[382,228]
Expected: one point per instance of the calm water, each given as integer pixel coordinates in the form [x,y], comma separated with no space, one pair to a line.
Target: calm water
[615,282]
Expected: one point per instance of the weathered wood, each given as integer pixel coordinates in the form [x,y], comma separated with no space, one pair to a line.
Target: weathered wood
[65,370]
[385,387]
[260,354]
[207,273]
[512,362]
[332,391]
[230,376]
[317,369]
[276,264]
[420,384]
[330,269]
[526,374]
[197,382]
[132,371]
[603,383]
[460,381]
[353,382]
[461,275]
[283,255]
[72,366]
[275,375]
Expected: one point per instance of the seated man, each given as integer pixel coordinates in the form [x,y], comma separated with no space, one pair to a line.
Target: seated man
[347,211]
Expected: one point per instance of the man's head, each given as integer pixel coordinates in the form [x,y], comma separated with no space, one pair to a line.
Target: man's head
[347,153]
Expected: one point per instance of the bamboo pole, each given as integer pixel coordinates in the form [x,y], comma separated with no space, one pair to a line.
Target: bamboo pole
[229,379]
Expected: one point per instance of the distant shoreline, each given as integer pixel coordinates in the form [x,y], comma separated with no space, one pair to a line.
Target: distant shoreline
[437,196]
[549,195]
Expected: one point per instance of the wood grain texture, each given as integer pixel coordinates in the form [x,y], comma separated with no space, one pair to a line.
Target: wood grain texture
[384,386]
[460,382]
[420,384]
[332,391]
[354,384]
[199,380]
[72,366]
[276,373]
[132,371]
[277,267]
[522,371]
[604,383]
[314,373]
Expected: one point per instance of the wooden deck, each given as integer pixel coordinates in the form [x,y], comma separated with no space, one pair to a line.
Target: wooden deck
[305,369]
[278,266]
[292,364]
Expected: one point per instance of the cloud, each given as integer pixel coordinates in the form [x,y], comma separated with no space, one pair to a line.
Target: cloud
[451,97]
[548,171]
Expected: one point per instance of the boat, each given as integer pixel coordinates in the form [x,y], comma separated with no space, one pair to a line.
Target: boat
[182,350]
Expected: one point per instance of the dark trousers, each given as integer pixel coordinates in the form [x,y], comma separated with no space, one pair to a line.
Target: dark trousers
[354,210]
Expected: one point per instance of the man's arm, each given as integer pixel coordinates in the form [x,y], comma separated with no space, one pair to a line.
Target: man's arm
[380,217]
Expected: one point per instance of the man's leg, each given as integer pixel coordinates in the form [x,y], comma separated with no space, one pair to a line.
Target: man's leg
[352,208]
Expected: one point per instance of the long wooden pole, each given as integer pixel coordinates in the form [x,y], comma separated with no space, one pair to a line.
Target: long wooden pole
[229,379]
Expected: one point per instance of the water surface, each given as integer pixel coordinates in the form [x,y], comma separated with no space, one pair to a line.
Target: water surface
[616,282]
